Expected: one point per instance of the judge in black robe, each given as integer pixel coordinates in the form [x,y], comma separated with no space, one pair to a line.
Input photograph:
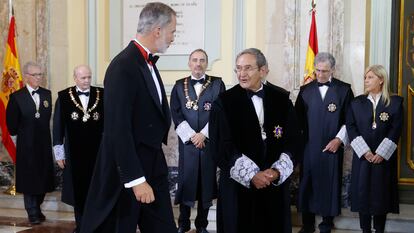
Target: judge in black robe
[252,138]
[321,108]
[77,131]
[28,121]
[191,100]
[374,124]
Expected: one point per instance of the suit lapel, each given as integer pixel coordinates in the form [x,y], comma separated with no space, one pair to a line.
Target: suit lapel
[29,100]
[92,97]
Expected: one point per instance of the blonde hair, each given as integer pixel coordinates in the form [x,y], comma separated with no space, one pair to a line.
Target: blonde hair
[381,73]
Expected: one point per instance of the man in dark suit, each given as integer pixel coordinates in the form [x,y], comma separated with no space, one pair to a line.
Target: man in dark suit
[77,131]
[191,100]
[28,120]
[252,138]
[321,109]
[129,186]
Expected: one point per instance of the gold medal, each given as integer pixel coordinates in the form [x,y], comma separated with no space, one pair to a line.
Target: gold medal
[37,115]
[189,104]
[86,117]
[374,125]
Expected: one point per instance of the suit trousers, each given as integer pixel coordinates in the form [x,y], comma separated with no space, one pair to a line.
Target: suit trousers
[156,217]
[379,222]
[32,204]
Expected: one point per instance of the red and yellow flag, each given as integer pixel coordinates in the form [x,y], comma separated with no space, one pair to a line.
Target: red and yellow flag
[312,49]
[11,81]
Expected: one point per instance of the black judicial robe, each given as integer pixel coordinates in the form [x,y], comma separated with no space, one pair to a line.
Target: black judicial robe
[374,187]
[235,130]
[81,141]
[320,121]
[34,158]
[190,157]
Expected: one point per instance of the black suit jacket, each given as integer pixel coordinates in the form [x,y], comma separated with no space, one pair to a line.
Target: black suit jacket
[136,124]
[34,159]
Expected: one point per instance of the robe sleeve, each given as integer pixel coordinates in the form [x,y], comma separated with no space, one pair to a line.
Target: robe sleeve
[389,143]
[357,141]
[58,132]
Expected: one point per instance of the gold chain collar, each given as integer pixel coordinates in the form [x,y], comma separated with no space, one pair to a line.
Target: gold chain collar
[193,104]
[86,112]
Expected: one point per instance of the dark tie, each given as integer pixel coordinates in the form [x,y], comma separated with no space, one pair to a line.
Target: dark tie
[152,58]
[83,93]
[257,93]
[195,81]
[328,84]
[36,91]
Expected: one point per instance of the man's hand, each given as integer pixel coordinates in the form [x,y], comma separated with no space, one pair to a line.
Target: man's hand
[333,145]
[369,156]
[61,163]
[198,140]
[261,180]
[143,193]
[377,159]
[272,174]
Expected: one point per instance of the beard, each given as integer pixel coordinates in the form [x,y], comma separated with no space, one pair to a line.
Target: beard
[161,44]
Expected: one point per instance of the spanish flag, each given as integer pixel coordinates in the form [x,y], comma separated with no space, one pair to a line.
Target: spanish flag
[312,49]
[11,81]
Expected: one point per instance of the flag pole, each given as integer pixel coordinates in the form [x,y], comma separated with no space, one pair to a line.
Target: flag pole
[11,190]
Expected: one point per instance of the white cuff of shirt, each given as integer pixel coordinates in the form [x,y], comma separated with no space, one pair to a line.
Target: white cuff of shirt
[343,135]
[14,139]
[204,131]
[360,146]
[59,151]
[184,131]
[135,182]
[386,148]
[285,167]
[243,171]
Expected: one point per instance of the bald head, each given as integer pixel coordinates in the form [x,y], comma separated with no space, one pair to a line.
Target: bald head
[82,75]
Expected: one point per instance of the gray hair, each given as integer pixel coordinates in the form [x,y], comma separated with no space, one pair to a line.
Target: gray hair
[154,14]
[75,70]
[325,57]
[199,50]
[260,58]
[29,64]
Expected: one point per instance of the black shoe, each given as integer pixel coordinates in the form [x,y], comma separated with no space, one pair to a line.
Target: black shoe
[42,217]
[304,230]
[201,230]
[34,220]
[182,230]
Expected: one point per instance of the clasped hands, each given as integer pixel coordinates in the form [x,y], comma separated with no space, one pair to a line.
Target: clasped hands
[375,159]
[198,140]
[262,179]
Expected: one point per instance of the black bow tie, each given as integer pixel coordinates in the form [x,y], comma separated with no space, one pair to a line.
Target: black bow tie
[257,93]
[328,84]
[83,93]
[152,58]
[195,81]
[36,91]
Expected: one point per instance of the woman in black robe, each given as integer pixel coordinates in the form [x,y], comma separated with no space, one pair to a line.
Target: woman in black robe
[374,124]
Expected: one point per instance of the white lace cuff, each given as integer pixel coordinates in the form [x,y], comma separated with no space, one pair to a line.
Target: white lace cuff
[360,146]
[204,131]
[343,135]
[59,151]
[184,131]
[285,167]
[243,171]
[386,148]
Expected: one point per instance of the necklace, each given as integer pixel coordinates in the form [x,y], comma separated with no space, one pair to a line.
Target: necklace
[193,104]
[37,103]
[374,107]
[86,112]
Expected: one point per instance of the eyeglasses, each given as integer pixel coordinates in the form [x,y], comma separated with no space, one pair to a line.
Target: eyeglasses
[36,74]
[247,69]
